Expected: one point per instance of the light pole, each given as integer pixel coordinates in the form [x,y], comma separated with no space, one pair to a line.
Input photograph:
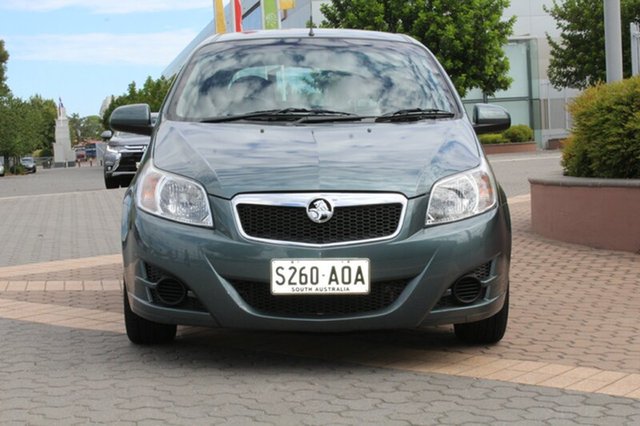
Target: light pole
[635,48]
[613,40]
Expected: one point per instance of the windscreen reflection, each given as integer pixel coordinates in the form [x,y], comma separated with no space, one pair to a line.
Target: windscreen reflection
[352,76]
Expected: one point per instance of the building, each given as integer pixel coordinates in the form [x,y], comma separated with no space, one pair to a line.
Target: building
[531,99]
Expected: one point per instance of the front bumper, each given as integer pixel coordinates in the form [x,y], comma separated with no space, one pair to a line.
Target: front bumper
[122,164]
[211,263]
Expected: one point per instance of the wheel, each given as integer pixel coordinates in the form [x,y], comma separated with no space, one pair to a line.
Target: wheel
[489,330]
[111,183]
[125,181]
[144,332]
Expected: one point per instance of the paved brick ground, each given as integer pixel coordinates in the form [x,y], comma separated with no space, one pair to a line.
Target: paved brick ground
[59,226]
[571,354]
[57,375]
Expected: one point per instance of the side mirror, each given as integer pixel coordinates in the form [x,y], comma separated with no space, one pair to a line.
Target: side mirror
[489,118]
[134,118]
[106,135]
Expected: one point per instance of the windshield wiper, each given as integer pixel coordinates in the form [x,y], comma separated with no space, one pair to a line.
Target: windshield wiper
[286,114]
[414,114]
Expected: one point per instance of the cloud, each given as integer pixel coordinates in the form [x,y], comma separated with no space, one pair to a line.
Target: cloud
[107,6]
[153,49]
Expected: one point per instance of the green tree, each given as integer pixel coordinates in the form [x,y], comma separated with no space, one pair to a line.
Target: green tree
[578,57]
[45,114]
[86,128]
[466,36]
[8,130]
[26,126]
[4,58]
[91,127]
[74,128]
[152,92]
[18,135]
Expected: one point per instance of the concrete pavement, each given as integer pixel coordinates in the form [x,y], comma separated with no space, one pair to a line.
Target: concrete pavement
[571,354]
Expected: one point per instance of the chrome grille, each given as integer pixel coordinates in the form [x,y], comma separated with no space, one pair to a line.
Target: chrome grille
[356,218]
[128,161]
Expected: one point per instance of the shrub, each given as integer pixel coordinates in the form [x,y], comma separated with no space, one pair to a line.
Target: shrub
[605,140]
[17,169]
[518,133]
[492,138]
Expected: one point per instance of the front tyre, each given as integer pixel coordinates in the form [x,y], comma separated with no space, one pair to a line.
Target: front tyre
[125,181]
[144,332]
[111,183]
[489,330]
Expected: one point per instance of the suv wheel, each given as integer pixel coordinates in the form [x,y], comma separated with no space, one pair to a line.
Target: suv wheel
[144,332]
[111,183]
[125,181]
[489,330]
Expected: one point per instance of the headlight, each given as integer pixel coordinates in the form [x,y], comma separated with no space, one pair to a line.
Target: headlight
[112,149]
[173,197]
[460,196]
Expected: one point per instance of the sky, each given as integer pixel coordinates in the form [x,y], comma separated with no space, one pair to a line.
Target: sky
[82,51]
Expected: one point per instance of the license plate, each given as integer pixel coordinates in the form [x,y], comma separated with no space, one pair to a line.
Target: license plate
[319,276]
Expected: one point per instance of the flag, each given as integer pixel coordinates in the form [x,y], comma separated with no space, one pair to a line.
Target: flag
[270,14]
[287,4]
[221,24]
[237,15]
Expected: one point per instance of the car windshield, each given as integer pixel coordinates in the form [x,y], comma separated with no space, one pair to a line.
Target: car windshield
[309,76]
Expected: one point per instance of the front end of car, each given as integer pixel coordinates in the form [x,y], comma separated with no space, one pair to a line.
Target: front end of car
[321,184]
[28,164]
[192,258]
[121,159]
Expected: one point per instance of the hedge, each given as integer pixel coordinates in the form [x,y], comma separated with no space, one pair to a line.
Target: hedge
[518,133]
[492,139]
[605,139]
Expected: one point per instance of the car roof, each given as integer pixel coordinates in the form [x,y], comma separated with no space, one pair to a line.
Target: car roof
[305,33]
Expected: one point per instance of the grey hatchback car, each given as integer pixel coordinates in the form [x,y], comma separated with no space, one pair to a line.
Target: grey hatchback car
[320,182]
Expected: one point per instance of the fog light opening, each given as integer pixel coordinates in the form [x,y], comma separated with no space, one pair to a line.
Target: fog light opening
[467,290]
[171,292]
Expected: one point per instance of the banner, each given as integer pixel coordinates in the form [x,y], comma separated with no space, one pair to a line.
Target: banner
[237,15]
[287,4]
[270,14]
[227,18]
[218,10]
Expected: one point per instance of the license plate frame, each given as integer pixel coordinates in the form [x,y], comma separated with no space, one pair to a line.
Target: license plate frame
[306,277]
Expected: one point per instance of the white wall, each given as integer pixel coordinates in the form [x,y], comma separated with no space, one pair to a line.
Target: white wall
[532,21]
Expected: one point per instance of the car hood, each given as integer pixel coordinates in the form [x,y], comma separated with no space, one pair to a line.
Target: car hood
[233,158]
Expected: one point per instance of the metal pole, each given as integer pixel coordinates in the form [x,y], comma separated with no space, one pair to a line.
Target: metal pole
[613,39]
[635,48]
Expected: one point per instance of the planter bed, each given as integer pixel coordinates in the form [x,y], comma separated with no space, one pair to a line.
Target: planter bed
[509,148]
[600,213]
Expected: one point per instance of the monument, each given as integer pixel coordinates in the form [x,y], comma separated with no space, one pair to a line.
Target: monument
[63,155]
